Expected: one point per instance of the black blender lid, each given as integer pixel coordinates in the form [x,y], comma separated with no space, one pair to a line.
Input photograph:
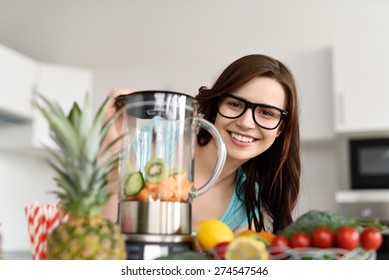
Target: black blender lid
[151,106]
[144,95]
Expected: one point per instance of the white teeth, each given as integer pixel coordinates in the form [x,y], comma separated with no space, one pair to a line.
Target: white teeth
[242,138]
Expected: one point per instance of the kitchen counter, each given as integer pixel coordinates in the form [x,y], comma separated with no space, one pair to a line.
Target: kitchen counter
[17,255]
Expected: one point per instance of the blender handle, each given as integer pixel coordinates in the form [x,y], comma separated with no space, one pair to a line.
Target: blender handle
[221,156]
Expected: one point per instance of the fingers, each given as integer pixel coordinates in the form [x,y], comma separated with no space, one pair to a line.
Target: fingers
[115,92]
[116,128]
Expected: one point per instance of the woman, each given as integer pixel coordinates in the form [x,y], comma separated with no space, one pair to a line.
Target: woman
[253,104]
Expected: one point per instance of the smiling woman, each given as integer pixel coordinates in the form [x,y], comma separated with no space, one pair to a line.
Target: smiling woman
[254,106]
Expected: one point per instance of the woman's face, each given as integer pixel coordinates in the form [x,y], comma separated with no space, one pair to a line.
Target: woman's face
[243,138]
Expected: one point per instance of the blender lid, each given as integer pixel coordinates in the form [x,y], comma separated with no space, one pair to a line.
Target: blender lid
[151,103]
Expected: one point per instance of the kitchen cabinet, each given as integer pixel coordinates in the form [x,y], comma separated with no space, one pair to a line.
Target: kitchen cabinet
[312,72]
[17,73]
[360,79]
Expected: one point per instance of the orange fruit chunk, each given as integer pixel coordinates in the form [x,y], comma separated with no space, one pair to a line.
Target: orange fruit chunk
[264,234]
[267,235]
[247,232]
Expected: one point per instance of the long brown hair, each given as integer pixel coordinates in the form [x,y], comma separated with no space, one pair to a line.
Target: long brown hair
[277,170]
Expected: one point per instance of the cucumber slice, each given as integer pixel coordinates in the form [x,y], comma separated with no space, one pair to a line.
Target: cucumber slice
[134,183]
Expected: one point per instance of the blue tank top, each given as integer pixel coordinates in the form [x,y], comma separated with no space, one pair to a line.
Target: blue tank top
[235,214]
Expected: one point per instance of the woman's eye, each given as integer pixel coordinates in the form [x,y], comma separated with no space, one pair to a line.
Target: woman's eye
[266,112]
[234,104]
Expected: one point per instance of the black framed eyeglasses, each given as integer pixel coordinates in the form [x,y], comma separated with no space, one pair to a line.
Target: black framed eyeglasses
[265,116]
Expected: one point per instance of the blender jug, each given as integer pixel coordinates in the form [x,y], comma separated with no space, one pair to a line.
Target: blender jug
[157,165]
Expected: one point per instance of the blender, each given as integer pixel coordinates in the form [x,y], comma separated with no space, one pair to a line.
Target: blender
[157,172]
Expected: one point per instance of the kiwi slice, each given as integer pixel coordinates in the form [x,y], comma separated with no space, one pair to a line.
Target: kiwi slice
[134,183]
[156,170]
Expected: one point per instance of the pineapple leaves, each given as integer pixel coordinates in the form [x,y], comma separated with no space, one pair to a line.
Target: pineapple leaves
[81,163]
[74,115]
[62,132]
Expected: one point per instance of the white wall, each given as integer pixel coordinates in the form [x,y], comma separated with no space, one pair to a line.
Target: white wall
[121,33]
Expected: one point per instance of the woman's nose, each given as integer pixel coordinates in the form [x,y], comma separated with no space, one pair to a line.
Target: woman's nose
[247,120]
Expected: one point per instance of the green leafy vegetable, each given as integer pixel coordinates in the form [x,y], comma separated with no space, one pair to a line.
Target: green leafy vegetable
[314,218]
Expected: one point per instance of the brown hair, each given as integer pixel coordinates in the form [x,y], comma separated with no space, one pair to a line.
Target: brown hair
[277,170]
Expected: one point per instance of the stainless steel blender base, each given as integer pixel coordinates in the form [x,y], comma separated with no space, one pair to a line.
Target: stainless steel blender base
[155,217]
[153,246]
[158,238]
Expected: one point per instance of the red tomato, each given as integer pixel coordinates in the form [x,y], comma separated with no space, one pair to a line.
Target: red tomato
[280,241]
[278,245]
[300,239]
[371,238]
[347,238]
[322,237]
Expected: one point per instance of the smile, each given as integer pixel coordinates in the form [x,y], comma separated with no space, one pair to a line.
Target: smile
[241,138]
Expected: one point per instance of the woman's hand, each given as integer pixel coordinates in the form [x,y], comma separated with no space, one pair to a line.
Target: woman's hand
[110,209]
[117,127]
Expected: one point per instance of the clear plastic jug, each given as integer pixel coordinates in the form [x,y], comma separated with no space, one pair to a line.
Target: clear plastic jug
[157,161]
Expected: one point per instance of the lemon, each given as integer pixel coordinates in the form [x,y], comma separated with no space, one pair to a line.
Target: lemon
[212,232]
[246,248]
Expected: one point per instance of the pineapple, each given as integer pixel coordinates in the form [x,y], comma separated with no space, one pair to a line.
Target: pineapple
[82,167]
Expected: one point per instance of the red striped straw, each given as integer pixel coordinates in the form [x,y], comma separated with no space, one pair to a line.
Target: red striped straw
[41,221]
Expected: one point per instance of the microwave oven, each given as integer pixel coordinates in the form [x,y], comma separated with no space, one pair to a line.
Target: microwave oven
[369,163]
